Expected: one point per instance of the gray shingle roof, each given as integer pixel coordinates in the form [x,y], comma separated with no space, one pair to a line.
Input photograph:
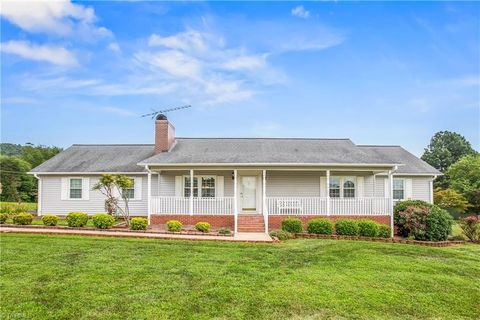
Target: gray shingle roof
[264,150]
[125,158]
[412,164]
[98,158]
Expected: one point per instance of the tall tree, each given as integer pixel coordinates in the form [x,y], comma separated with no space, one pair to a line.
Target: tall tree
[17,185]
[445,149]
[464,177]
[36,155]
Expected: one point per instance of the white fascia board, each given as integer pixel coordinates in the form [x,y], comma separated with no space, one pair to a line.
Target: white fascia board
[389,165]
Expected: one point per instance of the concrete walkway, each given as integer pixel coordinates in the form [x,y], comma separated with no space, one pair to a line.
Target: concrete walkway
[240,237]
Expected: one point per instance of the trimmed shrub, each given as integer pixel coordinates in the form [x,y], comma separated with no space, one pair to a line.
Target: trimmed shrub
[367,228]
[280,234]
[202,226]
[320,226]
[425,223]
[76,219]
[23,218]
[439,224]
[174,226]
[471,227]
[138,223]
[224,230]
[4,217]
[401,206]
[384,231]
[50,220]
[103,221]
[292,225]
[346,227]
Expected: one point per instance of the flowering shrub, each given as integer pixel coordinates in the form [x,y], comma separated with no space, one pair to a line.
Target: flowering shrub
[424,223]
[471,227]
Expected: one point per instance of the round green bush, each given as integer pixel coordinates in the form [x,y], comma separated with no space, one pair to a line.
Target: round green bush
[384,231]
[23,218]
[4,217]
[320,226]
[439,225]
[76,219]
[224,230]
[346,227]
[292,225]
[103,221]
[138,223]
[202,226]
[280,234]
[174,226]
[50,220]
[367,228]
[401,206]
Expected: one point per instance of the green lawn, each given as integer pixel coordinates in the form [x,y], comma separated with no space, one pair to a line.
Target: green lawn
[64,277]
[25,206]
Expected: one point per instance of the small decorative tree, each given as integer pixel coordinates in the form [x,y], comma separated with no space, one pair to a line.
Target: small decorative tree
[110,185]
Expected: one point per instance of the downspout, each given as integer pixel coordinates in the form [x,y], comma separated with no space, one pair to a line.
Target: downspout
[390,175]
[149,193]
[39,195]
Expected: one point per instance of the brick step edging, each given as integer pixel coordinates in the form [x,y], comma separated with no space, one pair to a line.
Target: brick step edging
[391,240]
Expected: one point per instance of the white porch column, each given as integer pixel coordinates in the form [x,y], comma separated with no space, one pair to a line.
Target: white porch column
[390,199]
[264,200]
[191,192]
[149,196]
[39,195]
[235,201]
[328,192]
[431,190]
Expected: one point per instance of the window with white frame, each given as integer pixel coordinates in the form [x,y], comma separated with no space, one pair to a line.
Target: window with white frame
[76,188]
[398,189]
[206,187]
[342,187]
[130,192]
[334,187]
[349,187]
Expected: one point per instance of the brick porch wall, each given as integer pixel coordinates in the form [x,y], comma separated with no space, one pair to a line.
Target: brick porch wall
[275,221]
[217,221]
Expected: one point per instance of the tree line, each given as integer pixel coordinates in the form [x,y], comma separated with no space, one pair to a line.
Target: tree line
[458,189]
[15,161]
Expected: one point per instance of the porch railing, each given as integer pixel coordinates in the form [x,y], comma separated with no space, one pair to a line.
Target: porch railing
[275,206]
[201,206]
[325,206]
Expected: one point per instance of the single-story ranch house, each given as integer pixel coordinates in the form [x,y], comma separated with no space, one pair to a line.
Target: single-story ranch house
[246,184]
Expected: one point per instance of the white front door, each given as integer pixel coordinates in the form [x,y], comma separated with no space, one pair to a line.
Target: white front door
[248,193]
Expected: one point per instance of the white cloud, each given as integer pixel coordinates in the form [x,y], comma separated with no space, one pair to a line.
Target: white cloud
[119,111]
[186,41]
[245,62]
[173,62]
[59,17]
[53,54]
[113,46]
[300,12]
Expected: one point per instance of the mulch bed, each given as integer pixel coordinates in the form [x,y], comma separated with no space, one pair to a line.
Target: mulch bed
[391,240]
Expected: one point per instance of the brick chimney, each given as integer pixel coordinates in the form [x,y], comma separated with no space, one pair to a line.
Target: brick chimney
[164,134]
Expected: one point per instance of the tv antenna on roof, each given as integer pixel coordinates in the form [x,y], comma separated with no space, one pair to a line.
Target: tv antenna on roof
[161,112]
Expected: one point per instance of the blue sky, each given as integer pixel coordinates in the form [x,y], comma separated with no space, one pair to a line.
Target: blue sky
[378,73]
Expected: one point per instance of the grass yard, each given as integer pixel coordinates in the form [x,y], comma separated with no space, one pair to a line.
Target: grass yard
[64,277]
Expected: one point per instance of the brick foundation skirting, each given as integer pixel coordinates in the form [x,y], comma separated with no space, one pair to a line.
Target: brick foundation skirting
[217,221]
[275,221]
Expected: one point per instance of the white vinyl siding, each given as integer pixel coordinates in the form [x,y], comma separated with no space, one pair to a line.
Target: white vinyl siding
[170,183]
[54,200]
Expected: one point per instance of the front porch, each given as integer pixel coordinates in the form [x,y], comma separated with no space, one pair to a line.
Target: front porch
[238,198]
